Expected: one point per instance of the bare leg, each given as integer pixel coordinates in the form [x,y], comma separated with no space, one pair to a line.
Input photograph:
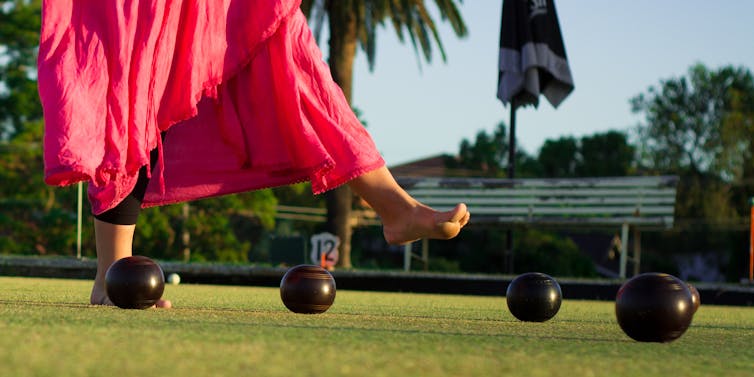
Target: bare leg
[113,242]
[405,219]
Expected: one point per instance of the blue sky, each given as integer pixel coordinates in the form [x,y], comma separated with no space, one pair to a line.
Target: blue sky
[616,50]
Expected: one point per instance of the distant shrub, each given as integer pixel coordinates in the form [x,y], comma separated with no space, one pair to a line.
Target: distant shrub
[551,254]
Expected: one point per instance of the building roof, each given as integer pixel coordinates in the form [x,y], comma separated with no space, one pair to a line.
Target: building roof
[432,166]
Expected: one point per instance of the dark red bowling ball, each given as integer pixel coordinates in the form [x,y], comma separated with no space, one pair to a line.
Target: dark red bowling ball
[534,297]
[654,307]
[307,289]
[134,282]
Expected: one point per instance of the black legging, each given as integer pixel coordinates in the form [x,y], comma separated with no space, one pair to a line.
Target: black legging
[127,211]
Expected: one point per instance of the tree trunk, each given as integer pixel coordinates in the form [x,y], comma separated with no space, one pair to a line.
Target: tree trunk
[341,57]
[185,234]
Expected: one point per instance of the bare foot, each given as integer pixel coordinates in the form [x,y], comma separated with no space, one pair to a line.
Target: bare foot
[99,297]
[425,222]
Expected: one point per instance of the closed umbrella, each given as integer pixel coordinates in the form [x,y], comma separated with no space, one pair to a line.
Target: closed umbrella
[532,55]
[532,62]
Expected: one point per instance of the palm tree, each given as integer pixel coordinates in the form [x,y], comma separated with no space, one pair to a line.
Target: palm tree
[355,22]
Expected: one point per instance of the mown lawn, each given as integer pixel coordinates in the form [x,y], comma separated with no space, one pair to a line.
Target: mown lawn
[47,329]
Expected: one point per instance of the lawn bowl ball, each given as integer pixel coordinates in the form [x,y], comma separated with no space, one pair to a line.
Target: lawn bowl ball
[534,297]
[307,289]
[174,279]
[654,307]
[134,282]
[695,298]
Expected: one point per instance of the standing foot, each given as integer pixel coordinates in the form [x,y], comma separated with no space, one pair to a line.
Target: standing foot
[99,297]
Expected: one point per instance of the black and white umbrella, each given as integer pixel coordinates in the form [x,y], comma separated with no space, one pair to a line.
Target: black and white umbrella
[532,60]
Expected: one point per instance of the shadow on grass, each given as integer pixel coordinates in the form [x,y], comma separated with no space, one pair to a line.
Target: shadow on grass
[49,304]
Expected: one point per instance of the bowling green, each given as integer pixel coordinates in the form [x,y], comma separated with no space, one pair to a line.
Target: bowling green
[47,329]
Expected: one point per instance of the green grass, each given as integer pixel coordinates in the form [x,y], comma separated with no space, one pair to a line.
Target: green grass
[46,329]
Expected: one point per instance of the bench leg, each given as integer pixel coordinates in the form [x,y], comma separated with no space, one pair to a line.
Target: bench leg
[637,250]
[407,256]
[623,250]
[425,253]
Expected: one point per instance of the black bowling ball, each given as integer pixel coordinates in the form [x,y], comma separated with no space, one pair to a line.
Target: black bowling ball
[534,297]
[307,289]
[654,307]
[134,282]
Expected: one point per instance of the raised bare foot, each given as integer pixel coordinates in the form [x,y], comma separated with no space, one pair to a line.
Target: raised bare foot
[425,222]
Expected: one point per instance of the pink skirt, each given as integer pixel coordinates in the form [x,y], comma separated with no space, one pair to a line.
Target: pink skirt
[239,87]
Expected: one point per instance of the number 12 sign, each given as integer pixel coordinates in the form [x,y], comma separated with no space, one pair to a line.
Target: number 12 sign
[324,250]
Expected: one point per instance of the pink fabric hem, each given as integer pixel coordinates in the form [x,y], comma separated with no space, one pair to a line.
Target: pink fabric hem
[259,112]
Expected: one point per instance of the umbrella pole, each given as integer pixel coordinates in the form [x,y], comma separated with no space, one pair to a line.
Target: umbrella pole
[512,144]
[511,175]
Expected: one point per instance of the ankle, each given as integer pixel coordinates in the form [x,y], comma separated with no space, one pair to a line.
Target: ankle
[400,212]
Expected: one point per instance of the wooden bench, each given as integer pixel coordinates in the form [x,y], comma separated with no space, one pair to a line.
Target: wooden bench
[628,203]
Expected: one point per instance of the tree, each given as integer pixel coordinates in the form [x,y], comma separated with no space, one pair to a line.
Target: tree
[700,127]
[355,23]
[487,156]
[737,125]
[598,155]
[686,119]
[559,157]
[607,154]
[34,217]
[20,22]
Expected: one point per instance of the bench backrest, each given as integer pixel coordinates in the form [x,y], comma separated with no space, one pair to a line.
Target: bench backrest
[645,202]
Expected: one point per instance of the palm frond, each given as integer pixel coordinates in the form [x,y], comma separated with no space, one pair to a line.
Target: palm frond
[450,12]
[410,20]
